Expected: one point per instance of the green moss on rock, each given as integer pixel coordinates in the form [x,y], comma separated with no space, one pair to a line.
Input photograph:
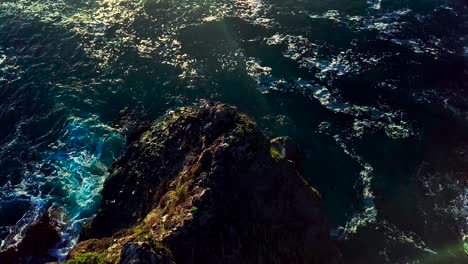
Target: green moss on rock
[275,153]
[87,258]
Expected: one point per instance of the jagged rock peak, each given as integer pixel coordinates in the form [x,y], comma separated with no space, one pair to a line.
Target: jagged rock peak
[204,185]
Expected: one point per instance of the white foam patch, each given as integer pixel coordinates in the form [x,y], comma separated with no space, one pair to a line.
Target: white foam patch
[330,15]
[368,213]
[391,26]
[2,58]
[299,49]
[309,56]
[405,237]
[375,4]
[367,119]
[9,71]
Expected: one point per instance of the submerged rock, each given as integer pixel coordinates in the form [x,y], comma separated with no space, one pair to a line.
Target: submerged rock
[204,185]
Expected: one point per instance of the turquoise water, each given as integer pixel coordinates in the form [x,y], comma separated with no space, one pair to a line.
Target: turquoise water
[374,91]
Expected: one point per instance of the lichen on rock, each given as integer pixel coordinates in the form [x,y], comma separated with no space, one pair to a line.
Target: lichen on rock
[201,186]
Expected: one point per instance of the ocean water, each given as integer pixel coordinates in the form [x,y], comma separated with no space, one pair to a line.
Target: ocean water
[374,91]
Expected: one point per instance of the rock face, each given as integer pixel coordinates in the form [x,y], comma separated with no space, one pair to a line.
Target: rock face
[204,185]
[37,240]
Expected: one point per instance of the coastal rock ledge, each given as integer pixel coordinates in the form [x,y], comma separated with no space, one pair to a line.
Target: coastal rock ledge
[204,185]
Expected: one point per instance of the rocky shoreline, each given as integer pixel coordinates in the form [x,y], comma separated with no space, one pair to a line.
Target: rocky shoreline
[204,185]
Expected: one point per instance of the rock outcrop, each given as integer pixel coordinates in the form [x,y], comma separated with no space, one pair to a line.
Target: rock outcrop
[204,185]
[37,239]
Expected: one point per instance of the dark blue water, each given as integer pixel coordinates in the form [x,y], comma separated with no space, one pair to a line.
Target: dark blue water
[374,91]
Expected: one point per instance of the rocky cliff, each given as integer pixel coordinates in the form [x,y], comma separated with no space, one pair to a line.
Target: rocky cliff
[204,185]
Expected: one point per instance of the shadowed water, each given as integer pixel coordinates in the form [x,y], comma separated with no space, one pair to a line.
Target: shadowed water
[374,91]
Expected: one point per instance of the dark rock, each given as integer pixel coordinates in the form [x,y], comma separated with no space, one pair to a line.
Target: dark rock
[205,185]
[33,248]
[144,253]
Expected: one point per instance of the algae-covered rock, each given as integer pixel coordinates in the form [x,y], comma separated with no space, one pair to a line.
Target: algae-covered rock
[204,185]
